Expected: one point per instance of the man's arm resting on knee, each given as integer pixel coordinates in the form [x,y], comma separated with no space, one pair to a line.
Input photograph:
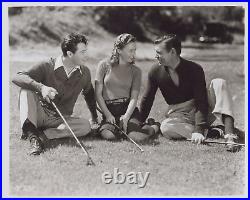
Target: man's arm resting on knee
[31,79]
[26,82]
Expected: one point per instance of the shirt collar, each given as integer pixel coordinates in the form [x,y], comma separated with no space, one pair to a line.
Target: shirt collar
[179,65]
[59,63]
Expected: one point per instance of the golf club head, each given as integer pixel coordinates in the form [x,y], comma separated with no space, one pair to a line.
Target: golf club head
[90,162]
[151,121]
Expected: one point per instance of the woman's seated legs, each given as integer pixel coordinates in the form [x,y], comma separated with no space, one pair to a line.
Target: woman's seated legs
[107,131]
[138,133]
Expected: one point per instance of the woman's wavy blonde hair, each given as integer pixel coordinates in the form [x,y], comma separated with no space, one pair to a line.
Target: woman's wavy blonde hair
[120,42]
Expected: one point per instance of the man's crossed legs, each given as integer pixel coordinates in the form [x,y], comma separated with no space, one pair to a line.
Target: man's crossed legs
[220,107]
[39,122]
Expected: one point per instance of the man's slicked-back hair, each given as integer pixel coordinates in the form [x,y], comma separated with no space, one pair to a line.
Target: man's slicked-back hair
[170,41]
[71,41]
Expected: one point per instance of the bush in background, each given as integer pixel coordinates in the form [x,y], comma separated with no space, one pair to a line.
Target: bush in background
[49,24]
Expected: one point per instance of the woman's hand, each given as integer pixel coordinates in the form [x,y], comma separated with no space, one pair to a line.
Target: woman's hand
[110,118]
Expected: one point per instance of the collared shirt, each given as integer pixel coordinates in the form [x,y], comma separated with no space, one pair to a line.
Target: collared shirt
[52,74]
[59,63]
[192,85]
[116,83]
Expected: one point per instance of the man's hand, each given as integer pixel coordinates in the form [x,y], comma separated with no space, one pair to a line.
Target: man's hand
[48,93]
[124,120]
[197,138]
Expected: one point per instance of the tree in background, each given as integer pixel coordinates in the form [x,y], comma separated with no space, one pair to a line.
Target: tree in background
[41,24]
[148,22]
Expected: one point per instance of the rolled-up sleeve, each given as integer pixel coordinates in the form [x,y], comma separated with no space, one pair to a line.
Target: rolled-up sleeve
[32,78]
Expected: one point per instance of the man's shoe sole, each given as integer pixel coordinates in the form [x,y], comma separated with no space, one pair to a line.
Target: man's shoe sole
[35,153]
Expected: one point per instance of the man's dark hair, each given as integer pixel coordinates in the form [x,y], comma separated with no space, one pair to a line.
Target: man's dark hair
[170,41]
[71,41]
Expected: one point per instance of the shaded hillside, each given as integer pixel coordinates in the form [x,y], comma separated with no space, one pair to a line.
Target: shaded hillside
[50,24]
[31,25]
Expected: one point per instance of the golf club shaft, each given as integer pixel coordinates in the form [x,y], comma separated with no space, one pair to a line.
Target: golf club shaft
[123,132]
[58,111]
[216,142]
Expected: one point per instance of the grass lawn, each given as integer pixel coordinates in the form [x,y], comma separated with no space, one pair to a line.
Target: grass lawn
[176,168]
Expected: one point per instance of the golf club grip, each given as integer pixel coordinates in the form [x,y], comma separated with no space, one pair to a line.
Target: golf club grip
[122,132]
[216,142]
[58,111]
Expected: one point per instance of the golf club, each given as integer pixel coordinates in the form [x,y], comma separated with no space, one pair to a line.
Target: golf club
[89,160]
[216,142]
[123,132]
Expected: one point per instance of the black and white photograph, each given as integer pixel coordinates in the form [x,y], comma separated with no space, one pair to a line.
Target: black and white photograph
[125,99]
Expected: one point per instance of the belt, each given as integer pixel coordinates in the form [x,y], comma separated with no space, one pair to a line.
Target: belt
[117,101]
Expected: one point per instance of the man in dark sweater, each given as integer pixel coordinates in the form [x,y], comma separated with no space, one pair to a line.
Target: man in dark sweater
[192,108]
[59,79]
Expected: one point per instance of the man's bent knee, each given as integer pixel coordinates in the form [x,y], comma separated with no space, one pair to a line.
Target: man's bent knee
[27,105]
[24,93]
[219,82]
[82,127]
[173,130]
[169,131]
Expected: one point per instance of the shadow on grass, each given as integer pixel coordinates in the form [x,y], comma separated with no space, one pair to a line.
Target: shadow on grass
[241,135]
[234,148]
[149,142]
[50,144]
[238,132]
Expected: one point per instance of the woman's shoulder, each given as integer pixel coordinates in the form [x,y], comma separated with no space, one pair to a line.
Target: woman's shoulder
[103,66]
[136,69]
[104,62]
